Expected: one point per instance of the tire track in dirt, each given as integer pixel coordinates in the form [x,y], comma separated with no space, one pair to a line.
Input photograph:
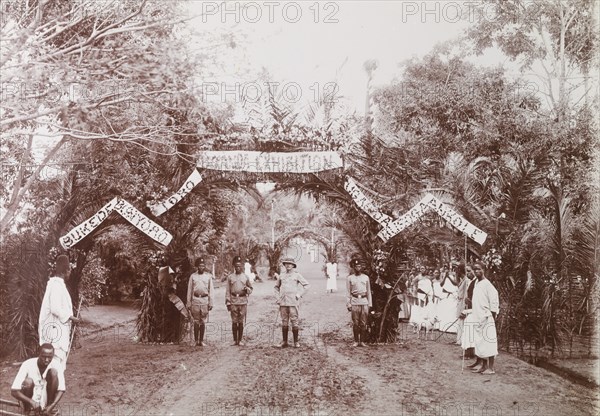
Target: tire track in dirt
[379,394]
[215,388]
[202,390]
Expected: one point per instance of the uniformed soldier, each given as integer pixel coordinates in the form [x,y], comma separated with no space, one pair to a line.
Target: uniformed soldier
[200,299]
[238,289]
[289,289]
[359,301]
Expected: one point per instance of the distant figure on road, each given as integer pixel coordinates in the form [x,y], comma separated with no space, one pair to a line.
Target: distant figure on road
[40,383]
[56,313]
[331,270]
[289,289]
[237,290]
[248,270]
[359,301]
[200,299]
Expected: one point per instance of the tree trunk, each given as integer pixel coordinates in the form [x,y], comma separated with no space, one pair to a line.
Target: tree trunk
[12,208]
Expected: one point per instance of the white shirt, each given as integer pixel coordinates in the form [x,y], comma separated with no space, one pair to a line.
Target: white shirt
[450,287]
[485,299]
[30,369]
[425,286]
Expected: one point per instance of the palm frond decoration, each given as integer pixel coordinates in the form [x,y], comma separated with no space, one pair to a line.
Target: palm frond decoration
[24,273]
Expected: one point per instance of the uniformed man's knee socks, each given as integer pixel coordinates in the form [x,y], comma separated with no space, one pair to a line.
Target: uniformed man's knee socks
[234,330]
[284,333]
[196,329]
[200,337]
[355,331]
[240,332]
[363,335]
[295,334]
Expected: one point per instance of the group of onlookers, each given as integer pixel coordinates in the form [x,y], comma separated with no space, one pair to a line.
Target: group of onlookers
[460,300]
[430,299]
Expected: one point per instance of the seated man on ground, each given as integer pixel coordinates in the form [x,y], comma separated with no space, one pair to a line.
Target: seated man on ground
[40,383]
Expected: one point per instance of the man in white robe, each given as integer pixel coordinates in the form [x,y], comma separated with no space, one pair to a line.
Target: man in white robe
[486,306]
[436,284]
[248,271]
[56,313]
[464,297]
[447,306]
[421,309]
[331,270]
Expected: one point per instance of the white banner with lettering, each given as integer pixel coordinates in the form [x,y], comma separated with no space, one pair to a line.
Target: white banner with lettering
[190,183]
[82,230]
[458,221]
[275,162]
[430,202]
[407,219]
[365,203]
[143,223]
[128,211]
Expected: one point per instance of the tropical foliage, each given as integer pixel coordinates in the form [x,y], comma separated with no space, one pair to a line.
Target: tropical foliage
[515,164]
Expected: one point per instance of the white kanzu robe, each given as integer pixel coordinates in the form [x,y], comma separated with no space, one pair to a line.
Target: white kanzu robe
[331,270]
[423,308]
[485,301]
[461,299]
[54,325]
[248,271]
[447,308]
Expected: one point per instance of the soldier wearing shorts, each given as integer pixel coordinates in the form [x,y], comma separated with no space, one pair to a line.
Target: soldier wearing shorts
[237,290]
[289,289]
[200,299]
[359,301]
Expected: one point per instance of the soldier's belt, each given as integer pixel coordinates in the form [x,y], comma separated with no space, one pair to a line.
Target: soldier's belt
[243,295]
[359,296]
[201,296]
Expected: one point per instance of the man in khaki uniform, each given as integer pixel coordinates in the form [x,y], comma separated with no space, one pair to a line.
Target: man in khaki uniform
[237,290]
[359,301]
[289,289]
[200,299]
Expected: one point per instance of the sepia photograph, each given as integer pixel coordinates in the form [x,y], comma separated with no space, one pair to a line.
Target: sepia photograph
[299,208]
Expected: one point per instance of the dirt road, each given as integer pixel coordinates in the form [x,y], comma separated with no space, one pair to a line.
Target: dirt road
[112,374]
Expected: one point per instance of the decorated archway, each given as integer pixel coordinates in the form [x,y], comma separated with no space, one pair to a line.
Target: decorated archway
[327,173]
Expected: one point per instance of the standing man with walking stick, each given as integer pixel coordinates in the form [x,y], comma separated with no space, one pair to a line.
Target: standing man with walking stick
[237,290]
[56,313]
